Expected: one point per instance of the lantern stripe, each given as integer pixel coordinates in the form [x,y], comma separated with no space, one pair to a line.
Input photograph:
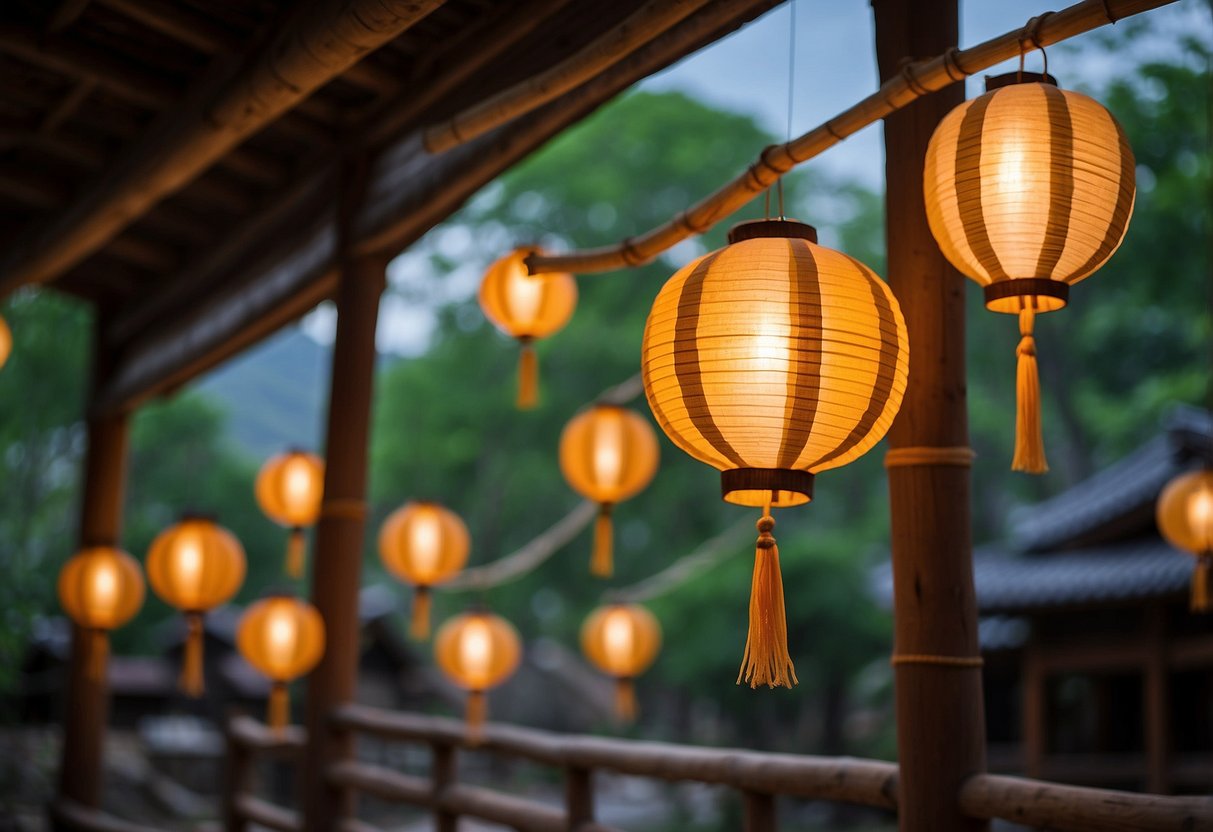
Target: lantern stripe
[968,188]
[881,390]
[1126,187]
[804,371]
[1061,180]
[686,362]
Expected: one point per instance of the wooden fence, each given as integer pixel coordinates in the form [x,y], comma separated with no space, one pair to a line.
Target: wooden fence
[758,777]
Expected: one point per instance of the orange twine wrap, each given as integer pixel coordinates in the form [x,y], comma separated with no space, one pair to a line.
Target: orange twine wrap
[602,562]
[191,669]
[766,660]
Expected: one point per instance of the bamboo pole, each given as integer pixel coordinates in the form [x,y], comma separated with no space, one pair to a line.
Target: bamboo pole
[940,713]
[642,26]
[910,83]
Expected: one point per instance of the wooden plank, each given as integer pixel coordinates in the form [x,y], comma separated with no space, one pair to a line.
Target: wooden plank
[759,815]
[444,774]
[1034,705]
[1075,809]
[68,816]
[264,813]
[578,795]
[318,42]
[1156,687]
[940,713]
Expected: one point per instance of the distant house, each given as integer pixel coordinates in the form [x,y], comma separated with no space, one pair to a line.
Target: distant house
[1096,672]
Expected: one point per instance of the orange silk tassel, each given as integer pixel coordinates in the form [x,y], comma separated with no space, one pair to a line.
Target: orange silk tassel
[296,549]
[1029,437]
[477,714]
[278,715]
[98,654]
[625,699]
[1202,597]
[602,562]
[419,623]
[191,668]
[766,660]
[528,377]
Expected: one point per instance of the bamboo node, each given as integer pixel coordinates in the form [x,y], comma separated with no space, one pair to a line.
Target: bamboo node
[937,661]
[951,60]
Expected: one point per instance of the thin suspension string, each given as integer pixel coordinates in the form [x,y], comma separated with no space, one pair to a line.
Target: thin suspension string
[791,90]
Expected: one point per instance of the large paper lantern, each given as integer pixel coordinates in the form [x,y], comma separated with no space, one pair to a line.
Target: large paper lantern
[527,307]
[195,566]
[772,359]
[477,651]
[423,544]
[622,640]
[289,490]
[283,638]
[100,588]
[1028,190]
[607,454]
[1185,518]
[6,341]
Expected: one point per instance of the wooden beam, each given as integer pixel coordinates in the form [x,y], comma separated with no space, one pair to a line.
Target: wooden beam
[1156,688]
[1034,706]
[318,42]
[65,14]
[940,714]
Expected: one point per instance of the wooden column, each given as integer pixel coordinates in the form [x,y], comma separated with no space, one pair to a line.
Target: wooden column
[1155,678]
[337,564]
[940,715]
[1033,701]
[87,700]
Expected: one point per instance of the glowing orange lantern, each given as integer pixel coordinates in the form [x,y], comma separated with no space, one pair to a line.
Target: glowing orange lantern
[6,342]
[1029,189]
[477,651]
[100,588]
[772,359]
[1185,518]
[195,565]
[423,544]
[527,307]
[622,640]
[607,454]
[283,638]
[289,489]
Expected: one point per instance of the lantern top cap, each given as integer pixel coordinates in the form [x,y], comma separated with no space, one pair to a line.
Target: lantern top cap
[1010,79]
[768,228]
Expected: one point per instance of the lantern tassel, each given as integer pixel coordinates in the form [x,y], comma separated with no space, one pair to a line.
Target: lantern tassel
[278,713]
[98,655]
[1029,439]
[602,562]
[625,699]
[419,624]
[191,668]
[528,377]
[477,714]
[1202,584]
[766,660]
[296,553]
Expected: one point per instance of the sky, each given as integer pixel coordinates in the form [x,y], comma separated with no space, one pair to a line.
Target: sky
[834,67]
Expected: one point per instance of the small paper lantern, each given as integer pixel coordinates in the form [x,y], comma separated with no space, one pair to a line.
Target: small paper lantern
[1028,190]
[1185,518]
[283,638]
[607,454]
[6,341]
[772,359]
[423,544]
[622,640]
[477,651]
[100,588]
[289,489]
[527,307]
[195,566]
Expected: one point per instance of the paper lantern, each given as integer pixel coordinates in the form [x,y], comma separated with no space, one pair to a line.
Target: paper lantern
[772,359]
[195,566]
[6,342]
[607,454]
[1185,518]
[100,588]
[1028,190]
[622,640]
[283,638]
[423,544]
[527,307]
[477,651]
[289,489]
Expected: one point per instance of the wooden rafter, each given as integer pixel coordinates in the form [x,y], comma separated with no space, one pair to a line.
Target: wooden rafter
[318,42]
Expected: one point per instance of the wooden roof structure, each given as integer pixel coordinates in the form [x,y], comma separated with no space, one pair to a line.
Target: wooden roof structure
[177,164]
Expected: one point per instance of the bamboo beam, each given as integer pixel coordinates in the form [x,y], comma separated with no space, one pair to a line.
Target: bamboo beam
[1074,809]
[909,84]
[639,28]
[318,42]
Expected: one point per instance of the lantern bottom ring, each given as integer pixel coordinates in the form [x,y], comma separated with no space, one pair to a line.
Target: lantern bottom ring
[781,487]
[1040,294]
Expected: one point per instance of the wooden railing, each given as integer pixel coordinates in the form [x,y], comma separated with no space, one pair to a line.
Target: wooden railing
[758,777]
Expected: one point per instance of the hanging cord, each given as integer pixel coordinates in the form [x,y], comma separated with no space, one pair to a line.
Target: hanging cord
[791,92]
[1031,34]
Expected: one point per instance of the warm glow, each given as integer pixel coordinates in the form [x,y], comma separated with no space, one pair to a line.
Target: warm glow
[290,487]
[523,305]
[477,650]
[608,453]
[281,636]
[621,639]
[196,565]
[1185,512]
[6,342]
[1200,514]
[101,588]
[608,449]
[423,543]
[105,588]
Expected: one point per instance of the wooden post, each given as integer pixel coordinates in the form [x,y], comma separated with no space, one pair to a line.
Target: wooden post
[444,774]
[1034,705]
[81,765]
[1157,691]
[238,767]
[578,795]
[940,715]
[759,812]
[337,564]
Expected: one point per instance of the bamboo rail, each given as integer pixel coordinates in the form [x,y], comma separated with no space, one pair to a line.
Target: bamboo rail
[916,80]
[68,814]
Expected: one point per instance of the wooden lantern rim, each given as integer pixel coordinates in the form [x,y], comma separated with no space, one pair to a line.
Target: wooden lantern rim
[795,483]
[769,228]
[1044,294]
[1010,79]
